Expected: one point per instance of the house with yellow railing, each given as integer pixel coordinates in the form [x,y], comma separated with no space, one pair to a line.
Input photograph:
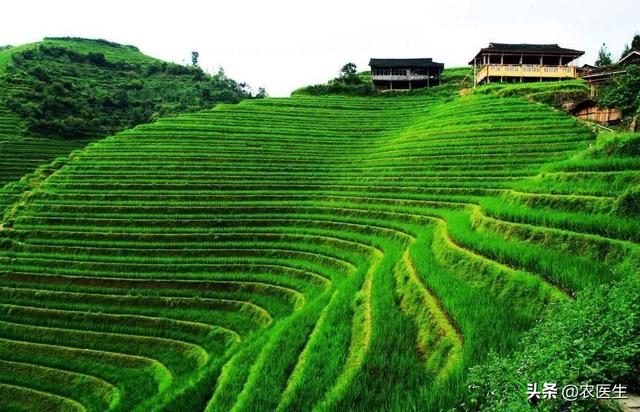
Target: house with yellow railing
[504,62]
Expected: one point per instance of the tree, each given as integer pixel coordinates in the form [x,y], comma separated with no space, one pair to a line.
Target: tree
[348,70]
[635,45]
[623,92]
[194,57]
[604,56]
[262,93]
[349,74]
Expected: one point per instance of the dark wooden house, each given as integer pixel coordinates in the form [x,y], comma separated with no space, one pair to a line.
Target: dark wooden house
[633,57]
[524,63]
[601,75]
[405,74]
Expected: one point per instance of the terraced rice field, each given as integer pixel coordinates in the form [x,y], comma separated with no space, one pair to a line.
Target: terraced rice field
[10,125]
[295,254]
[21,156]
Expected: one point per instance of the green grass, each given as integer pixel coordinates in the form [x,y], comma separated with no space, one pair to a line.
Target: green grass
[312,253]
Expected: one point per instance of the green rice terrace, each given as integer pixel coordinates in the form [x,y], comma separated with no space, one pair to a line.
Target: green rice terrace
[308,253]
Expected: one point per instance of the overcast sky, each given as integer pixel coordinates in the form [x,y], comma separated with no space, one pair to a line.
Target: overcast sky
[282,45]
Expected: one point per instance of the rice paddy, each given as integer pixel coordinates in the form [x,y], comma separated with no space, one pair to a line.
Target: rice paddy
[325,254]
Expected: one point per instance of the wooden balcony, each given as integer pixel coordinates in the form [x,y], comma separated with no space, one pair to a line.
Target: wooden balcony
[524,71]
[401,77]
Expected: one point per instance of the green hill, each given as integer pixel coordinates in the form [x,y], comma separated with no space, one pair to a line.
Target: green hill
[326,253]
[452,80]
[58,94]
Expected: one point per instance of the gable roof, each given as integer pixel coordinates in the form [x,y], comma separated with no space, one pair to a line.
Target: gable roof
[526,48]
[405,63]
[633,53]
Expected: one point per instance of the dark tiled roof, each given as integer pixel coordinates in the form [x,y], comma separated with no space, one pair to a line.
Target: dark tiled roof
[405,63]
[525,48]
[531,48]
[629,56]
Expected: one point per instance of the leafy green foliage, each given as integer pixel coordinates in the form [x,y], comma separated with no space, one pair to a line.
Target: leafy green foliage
[635,45]
[59,91]
[604,57]
[590,341]
[349,74]
[623,91]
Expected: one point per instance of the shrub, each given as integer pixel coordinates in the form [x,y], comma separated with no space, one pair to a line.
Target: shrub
[591,340]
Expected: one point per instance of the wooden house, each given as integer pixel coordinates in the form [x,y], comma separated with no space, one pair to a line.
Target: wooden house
[524,63]
[601,75]
[404,74]
[633,57]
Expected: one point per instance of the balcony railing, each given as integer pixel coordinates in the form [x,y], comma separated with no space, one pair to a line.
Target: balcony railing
[525,70]
[401,77]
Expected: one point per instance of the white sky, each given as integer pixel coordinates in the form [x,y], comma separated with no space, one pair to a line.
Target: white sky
[283,44]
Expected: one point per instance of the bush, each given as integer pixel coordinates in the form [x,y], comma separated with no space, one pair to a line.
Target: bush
[591,340]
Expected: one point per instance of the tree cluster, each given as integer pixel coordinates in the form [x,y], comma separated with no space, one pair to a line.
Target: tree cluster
[623,91]
[64,93]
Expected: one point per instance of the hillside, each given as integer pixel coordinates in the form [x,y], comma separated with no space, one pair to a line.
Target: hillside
[58,94]
[331,253]
[452,80]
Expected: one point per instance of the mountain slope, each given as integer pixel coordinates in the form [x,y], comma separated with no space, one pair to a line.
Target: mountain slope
[287,254]
[62,92]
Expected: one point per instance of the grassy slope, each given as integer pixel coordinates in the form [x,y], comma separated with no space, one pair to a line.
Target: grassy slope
[337,253]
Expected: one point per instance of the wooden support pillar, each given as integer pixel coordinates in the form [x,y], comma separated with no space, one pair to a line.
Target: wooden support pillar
[501,59]
[521,59]
[475,73]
